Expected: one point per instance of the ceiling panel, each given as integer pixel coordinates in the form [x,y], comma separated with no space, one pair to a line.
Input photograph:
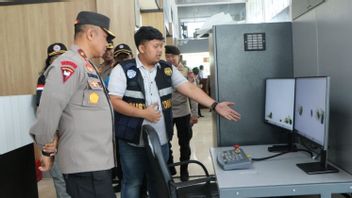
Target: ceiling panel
[237,11]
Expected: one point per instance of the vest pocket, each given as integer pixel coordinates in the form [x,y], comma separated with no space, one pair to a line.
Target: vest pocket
[128,128]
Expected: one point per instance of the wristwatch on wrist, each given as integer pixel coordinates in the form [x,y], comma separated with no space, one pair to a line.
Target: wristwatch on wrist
[213,106]
[46,153]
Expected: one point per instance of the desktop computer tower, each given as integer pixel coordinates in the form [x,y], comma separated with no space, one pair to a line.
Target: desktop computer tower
[242,56]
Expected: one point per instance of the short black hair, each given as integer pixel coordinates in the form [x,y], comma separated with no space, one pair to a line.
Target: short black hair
[78,29]
[147,33]
[195,70]
[171,49]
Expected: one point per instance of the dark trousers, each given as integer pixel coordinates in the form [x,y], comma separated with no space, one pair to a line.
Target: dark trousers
[184,134]
[90,184]
[117,171]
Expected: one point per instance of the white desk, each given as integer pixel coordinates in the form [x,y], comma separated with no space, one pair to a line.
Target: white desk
[277,177]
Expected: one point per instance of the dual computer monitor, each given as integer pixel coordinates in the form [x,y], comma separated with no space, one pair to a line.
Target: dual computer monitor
[301,105]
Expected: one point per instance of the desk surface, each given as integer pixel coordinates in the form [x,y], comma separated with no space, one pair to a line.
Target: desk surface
[275,172]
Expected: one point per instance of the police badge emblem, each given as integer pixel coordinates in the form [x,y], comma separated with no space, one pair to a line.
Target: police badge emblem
[168,71]
[131,73]
[57,48]
[93,98]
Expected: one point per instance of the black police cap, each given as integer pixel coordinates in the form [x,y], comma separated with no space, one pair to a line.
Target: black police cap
[170,49]
[122,49]
[56,49]
[93,18]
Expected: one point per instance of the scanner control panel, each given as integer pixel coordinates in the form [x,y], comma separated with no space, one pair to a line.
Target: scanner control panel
[233,159]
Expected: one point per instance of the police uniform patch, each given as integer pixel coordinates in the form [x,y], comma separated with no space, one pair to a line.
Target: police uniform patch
[131,74]
[168,71]
[40,87]
[89,67]
[69,63]
[93,98]
[93,75]
[95,84]
[67,69]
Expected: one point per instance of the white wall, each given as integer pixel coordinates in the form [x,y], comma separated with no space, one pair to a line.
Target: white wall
[17,114]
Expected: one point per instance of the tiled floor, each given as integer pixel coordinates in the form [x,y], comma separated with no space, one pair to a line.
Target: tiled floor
[201,142]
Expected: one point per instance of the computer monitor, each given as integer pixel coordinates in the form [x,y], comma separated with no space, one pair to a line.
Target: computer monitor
[312,118]
[279,107]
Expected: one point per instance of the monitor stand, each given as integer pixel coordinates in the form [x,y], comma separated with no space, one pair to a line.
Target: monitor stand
[321,167]
[289,147]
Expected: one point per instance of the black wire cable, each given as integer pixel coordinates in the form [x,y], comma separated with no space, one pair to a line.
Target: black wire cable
[282,153]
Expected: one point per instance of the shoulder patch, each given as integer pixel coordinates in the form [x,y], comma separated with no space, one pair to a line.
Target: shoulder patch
[67,69]
[69,63]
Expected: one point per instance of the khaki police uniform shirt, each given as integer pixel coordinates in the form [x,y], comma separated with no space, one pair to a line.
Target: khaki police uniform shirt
[180,102]
[74,104]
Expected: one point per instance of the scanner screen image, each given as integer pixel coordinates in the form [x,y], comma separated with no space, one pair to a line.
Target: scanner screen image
[279,102]
[310,108]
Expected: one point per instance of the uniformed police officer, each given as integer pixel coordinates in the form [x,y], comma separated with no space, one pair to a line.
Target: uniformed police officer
[54,50]
[75,103]
[109,62]
[182,115]
[122,52]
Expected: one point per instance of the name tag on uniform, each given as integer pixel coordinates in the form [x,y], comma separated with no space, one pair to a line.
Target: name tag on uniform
[93,75]
[95,84]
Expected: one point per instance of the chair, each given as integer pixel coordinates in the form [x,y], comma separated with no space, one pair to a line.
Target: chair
[203,187]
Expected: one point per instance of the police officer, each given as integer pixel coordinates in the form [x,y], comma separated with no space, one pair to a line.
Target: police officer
[140,90]
[75,103]
[54,50]
[109,62]
[183,117]
[122,52]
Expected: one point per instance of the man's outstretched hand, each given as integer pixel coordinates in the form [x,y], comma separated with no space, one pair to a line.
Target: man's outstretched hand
[225,110]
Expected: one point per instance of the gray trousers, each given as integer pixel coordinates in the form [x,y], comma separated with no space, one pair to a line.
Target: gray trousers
[59,181]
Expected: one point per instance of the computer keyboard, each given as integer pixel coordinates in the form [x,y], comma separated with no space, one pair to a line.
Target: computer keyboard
[233,159]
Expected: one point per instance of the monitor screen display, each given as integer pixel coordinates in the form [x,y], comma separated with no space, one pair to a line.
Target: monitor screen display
[312,108]
[279,102]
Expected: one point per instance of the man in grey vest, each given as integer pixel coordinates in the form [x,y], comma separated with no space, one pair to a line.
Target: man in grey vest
[75,103]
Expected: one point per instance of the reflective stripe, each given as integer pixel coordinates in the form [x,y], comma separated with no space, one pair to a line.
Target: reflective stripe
[134,94]
[165,91]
